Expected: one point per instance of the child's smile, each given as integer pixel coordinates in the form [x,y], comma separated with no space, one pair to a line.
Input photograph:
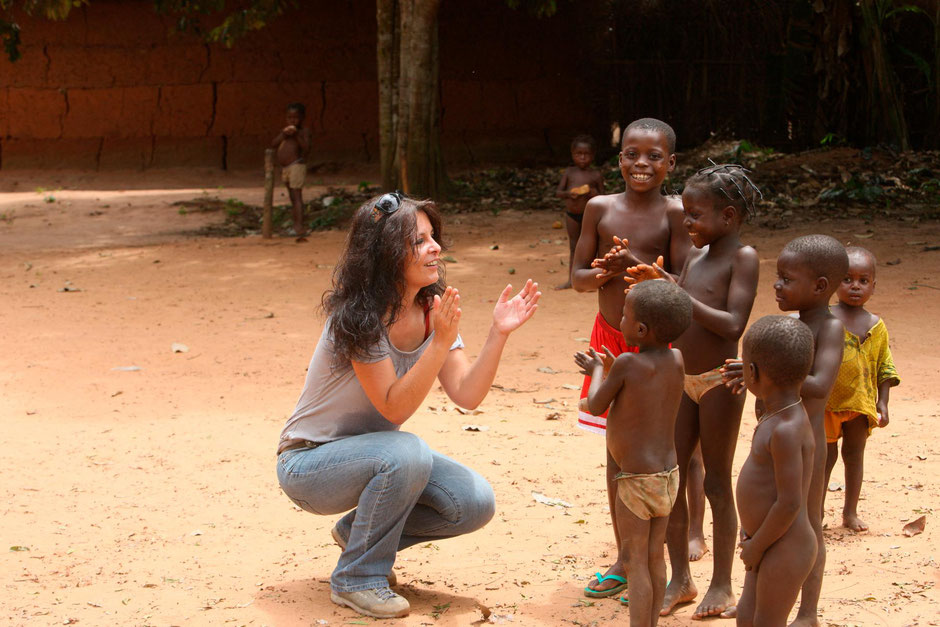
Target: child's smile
[702,220]
[645,159]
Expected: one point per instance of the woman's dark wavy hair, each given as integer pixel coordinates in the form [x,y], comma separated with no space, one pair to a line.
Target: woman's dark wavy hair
[369,279]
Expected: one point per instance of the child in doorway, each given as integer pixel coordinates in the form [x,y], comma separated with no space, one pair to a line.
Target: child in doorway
[720,276]
[809,270]
[579,184]
[859,399]
[643,391]
[651,226]
[293,146]
[778,545]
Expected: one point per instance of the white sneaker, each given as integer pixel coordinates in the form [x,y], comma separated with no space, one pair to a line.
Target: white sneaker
[391,578]
[378,602]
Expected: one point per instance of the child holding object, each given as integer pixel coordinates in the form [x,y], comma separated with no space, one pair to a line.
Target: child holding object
[643,390]
[293,146]
[579,184]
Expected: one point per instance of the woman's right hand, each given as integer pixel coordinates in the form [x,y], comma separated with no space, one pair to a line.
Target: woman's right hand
[445,316]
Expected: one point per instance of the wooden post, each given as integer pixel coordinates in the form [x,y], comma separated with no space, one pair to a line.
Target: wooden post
[268,193]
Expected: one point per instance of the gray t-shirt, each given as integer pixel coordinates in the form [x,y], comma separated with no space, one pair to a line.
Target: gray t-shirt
[333,404]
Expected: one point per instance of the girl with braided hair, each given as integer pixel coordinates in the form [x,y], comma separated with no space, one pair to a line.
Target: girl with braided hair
[720,274]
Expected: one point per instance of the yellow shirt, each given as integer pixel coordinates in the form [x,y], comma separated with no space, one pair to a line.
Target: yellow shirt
[866,363]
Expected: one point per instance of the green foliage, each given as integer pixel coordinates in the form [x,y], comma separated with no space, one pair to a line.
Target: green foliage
[857,189]
[10,37]
[831,139]
[191,16]
[745,147]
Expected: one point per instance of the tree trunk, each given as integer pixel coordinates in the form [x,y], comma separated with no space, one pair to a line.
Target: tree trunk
[387,58]
[936,79]
[886,120]
[409,98]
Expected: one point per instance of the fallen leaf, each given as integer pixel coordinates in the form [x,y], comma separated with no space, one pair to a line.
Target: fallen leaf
[557,224]
[552,416]
[17,547]
[176,347]
[126,368]
[835,486]
[468,412]
[494,247]
[915,527]
[475,428]
[512,271]
[547,370]
[864,235]
[543,402]
[569,386]
[893,262]
[541,498]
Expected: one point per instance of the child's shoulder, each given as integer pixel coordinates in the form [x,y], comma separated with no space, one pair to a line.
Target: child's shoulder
[746,254]
[673,202]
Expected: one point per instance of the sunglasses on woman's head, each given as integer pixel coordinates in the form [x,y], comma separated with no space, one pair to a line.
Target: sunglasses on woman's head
[387,204]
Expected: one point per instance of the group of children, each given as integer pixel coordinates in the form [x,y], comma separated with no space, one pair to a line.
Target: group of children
[662,378]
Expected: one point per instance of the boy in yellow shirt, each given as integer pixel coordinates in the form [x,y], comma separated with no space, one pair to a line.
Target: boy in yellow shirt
[859,399]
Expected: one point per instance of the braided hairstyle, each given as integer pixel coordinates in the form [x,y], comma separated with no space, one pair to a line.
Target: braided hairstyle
[729,182]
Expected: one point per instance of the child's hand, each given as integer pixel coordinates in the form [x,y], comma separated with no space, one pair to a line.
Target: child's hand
[589,361]
[445,315]
[617,259]
[646,272]
[289,130]
[510,314]
[882,415]
[732,375]
[608,359]
[749,554]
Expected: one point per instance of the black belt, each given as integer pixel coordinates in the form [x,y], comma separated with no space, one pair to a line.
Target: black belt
[302,444]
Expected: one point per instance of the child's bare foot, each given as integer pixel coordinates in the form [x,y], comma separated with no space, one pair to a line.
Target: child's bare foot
[853,522]
[716,601]
[804,622]
[731,612]
[697,549]
[563,286]
[677,593]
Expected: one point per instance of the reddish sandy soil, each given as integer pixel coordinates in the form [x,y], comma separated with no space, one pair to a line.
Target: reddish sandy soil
[138,482]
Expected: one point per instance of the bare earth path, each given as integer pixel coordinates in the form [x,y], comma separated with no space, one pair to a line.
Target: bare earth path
[138,483]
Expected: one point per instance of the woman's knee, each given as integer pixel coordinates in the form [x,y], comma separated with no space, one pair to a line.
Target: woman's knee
[405,454]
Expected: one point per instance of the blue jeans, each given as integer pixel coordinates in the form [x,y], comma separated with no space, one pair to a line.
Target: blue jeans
[402,491]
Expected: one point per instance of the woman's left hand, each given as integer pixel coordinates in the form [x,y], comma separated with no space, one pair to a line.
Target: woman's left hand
[511,313]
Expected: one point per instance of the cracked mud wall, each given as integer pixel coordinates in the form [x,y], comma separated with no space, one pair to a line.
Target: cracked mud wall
[114,88]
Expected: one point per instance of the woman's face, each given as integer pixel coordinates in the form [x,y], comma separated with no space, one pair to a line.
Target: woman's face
[422,269]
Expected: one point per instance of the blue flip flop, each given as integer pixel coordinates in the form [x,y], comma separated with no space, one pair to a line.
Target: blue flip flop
[591,593]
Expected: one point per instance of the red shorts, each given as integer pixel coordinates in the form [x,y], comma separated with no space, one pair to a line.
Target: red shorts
[601,335]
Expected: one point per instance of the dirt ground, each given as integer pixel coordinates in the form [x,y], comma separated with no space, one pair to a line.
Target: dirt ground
[139,483]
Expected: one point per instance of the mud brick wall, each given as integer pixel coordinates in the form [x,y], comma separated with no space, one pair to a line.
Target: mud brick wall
[114,88]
